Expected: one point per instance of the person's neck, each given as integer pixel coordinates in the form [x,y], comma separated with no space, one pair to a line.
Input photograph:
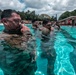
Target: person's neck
[18,31]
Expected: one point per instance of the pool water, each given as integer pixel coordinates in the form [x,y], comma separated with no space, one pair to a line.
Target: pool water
[1,28]
[65,47]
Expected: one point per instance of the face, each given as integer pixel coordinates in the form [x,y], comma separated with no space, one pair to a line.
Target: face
[35,24]
[12,22]
[48,25]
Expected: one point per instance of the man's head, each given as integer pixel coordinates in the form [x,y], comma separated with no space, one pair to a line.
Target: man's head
[35,24]
[47,24]
[11,19]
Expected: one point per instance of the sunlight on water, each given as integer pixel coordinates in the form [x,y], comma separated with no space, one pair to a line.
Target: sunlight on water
[1,28]
[41,68]
[62,63]
[38,73]
[1,72]
[71,30]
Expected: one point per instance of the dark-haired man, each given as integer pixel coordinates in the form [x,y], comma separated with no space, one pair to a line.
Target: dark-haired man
[46,29]
[47,46]
[17,47]
[35,24]
[12,22]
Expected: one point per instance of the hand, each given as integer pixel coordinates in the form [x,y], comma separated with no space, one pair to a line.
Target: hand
[24,28]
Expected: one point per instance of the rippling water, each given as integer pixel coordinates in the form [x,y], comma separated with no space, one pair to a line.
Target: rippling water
[62,63]
[64,46]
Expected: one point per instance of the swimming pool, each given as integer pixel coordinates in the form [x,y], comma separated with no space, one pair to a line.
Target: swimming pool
[65,46]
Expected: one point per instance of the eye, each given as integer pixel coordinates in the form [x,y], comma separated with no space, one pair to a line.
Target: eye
[17,20]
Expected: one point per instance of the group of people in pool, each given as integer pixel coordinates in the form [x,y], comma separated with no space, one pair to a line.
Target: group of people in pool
[18,56]
[46,25]
[47,37]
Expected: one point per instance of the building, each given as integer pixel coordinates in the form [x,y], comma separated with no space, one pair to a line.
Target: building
[68,21]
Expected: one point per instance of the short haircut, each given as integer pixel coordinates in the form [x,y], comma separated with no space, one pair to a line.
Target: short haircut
[45,21]
[7,13]
[33,20]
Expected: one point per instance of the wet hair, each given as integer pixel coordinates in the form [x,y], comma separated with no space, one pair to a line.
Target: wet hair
[45,21]
[7,13]
[40,23]
[33,20]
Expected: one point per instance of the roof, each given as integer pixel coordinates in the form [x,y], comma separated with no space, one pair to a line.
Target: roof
[68,18]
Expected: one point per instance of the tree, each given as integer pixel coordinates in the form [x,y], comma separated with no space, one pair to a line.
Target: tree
[73,13]
[64,15]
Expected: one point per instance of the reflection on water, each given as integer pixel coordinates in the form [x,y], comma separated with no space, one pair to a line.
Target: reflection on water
[71,30]
[71,39]
[63,49]
[62,44]
[41,62]
[46,54]
[1,72]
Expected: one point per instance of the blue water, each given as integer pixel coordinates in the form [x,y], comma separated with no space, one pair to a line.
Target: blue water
[41,63]
[1,28]
[71,30]
[62,63]
[62,46]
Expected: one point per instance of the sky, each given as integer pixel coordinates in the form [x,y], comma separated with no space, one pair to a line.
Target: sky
[50,7]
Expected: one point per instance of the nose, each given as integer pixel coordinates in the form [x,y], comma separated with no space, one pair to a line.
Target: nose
[19,23]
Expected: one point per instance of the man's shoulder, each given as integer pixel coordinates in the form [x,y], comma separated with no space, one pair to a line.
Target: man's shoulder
[3,35]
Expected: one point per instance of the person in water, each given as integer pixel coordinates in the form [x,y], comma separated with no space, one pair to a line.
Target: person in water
[35,24]
[17,46]
[47,47]
[45,29]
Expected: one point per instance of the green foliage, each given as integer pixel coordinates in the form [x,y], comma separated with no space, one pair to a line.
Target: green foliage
[31,15]
[64,15]
[73,13]
[22,14]
[67,14]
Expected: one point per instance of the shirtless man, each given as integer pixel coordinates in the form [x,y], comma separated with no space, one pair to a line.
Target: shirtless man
[47,46]
[17,45]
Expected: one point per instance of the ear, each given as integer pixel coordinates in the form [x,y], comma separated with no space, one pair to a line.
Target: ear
[4,21]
